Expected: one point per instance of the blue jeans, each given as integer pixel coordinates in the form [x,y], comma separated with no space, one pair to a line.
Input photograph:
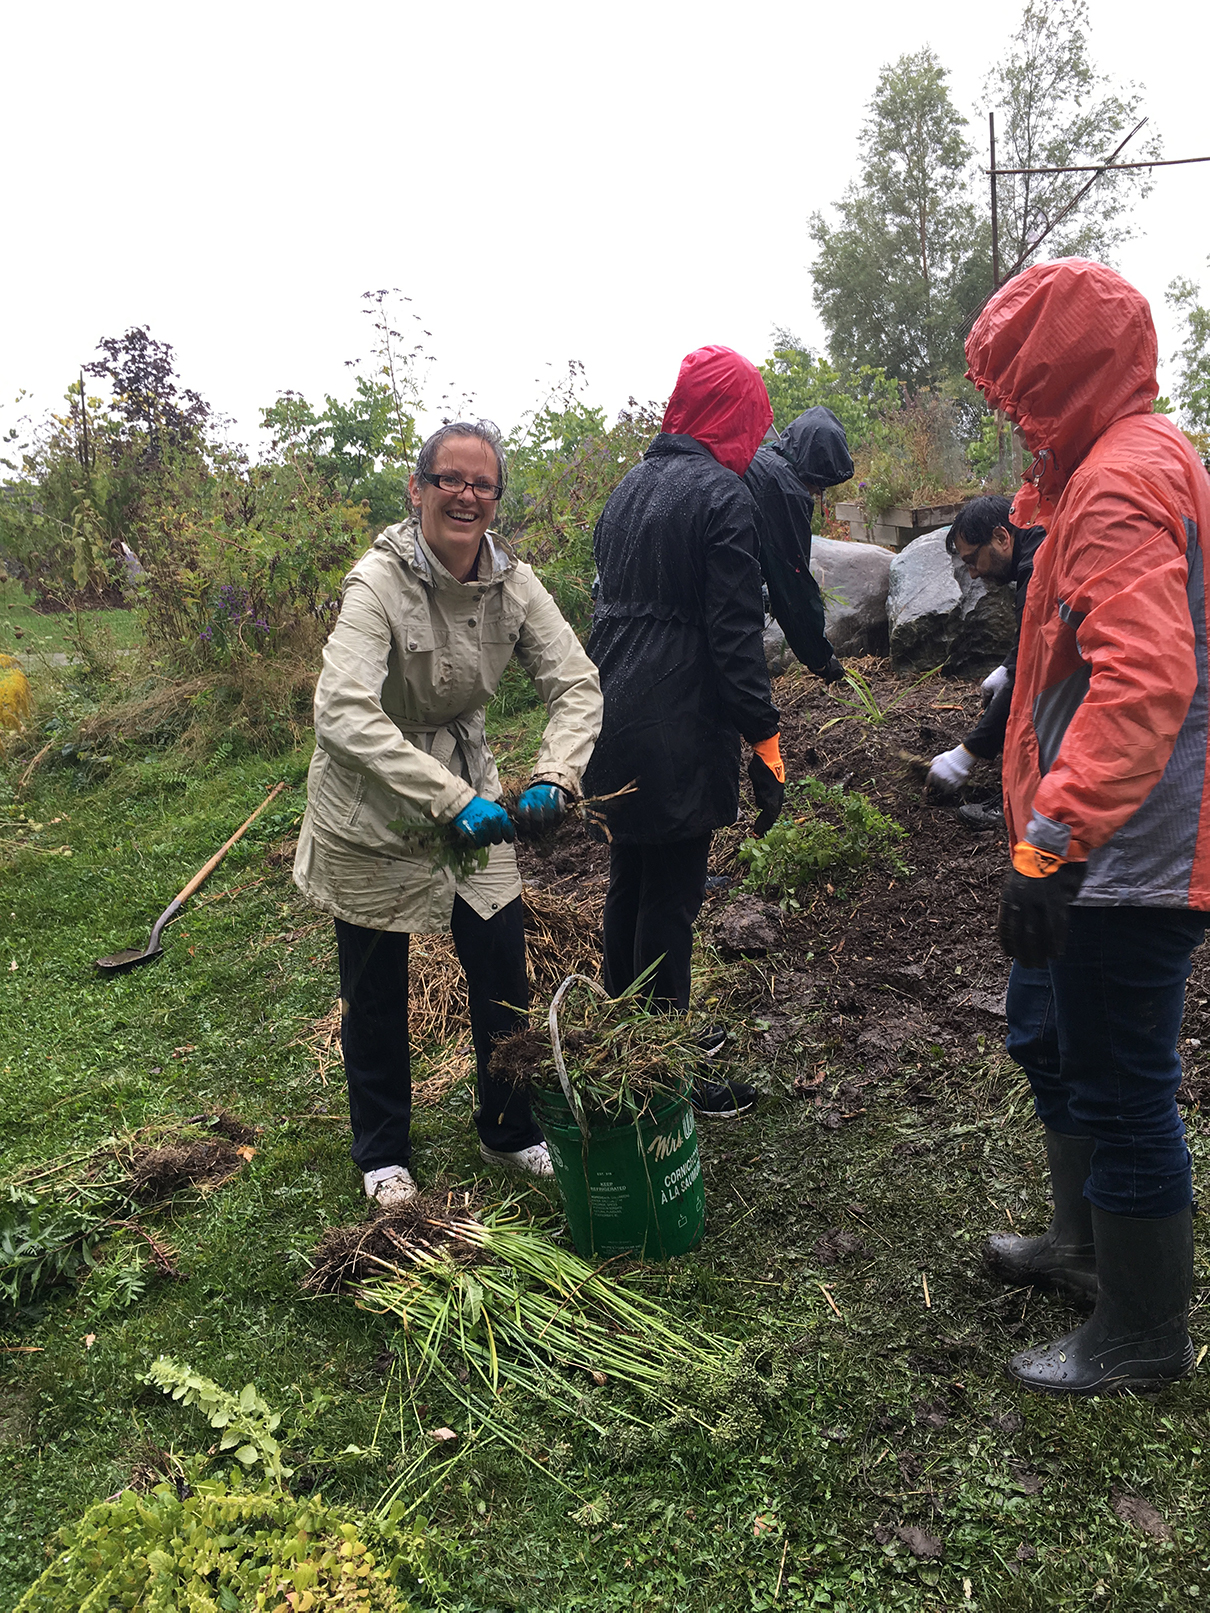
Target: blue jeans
[1096,1034]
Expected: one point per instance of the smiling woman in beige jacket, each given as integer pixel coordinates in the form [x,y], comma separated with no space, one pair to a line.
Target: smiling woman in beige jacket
[429,620]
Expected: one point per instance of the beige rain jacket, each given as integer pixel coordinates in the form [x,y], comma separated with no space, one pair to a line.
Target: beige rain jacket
[399,715]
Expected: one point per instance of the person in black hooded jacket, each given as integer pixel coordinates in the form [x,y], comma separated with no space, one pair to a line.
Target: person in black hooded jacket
[783,478]
[677,637]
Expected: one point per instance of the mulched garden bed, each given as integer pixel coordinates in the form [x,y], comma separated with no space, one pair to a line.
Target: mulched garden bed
[878,975]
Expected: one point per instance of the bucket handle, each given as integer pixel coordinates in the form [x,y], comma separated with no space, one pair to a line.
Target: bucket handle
[577,1108]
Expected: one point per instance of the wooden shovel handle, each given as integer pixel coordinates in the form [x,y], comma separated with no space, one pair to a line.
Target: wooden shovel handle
[203,874]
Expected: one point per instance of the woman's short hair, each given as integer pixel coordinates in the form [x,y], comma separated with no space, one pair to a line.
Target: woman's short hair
[977,521]
[486,430]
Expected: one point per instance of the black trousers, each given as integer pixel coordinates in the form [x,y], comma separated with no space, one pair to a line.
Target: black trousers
[374,1030]
[654,896]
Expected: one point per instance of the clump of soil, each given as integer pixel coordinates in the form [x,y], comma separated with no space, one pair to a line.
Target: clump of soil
[526,1058]
[158,1173]
[346,1256]
[224,1124]
[837,1245]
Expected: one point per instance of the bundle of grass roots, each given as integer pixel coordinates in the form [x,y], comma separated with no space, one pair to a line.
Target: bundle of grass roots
[622,1057]
[502,1317]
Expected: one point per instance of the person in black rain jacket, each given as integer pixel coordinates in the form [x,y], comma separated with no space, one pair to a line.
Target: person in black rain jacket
[677,637]
[994,550]
[783,478]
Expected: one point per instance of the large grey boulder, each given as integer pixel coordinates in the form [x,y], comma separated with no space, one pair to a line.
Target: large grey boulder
[939,615]
[854,578]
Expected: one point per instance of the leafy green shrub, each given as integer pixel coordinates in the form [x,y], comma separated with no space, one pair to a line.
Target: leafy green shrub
[919,456]
[42,1244]
[247,1420]
[798,378]
[563,464]
[66,508]
[824,828]
[243,566]
[223,1549]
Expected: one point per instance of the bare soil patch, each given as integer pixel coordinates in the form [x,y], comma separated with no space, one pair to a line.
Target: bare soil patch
[876,974]
[158,1173]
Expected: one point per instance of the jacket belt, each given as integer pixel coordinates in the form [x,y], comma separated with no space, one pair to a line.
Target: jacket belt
[447,738]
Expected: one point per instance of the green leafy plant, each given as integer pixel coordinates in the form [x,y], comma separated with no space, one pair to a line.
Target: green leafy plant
[116,1284]
[1193,356]
[563,464]
[921,456]
[43,1244]
[825,828]
[247,1421]
[863,706]
[798,378]
[221,1549]
[438,843]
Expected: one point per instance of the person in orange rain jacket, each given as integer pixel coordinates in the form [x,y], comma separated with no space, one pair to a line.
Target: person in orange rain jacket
[678,637]
[1108,814]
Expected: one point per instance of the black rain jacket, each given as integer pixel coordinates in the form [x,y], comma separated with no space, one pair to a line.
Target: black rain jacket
[986,739]
[678,637]
[811,453]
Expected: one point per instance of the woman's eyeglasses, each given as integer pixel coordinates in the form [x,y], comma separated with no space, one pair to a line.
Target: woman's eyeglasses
[449,482]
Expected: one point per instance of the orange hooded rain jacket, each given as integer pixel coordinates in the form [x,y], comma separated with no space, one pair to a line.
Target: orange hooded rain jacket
[1105,759]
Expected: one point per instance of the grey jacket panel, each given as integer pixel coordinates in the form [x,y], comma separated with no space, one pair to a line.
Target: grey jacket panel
[1149,861]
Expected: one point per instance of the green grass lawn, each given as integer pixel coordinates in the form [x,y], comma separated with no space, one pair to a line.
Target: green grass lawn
[32,634]
[898,1412]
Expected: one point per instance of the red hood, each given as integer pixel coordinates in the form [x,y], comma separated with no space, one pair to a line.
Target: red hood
[720,400]
[1065,349]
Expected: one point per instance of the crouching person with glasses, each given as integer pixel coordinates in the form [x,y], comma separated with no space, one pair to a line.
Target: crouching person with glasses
[429,620]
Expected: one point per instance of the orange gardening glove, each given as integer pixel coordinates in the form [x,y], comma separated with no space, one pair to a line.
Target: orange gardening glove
[769,751]
[767,774]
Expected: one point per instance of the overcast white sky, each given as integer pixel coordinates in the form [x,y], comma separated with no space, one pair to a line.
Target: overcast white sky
[617,183]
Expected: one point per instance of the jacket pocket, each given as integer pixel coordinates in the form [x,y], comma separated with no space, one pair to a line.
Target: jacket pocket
[502,619]
[337,794]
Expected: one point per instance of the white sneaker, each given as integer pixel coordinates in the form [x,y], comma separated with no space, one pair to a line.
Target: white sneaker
[391,1186]
[533,1161]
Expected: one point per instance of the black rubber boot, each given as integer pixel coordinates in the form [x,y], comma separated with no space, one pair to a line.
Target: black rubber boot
[1062,1258]
[1138,1337]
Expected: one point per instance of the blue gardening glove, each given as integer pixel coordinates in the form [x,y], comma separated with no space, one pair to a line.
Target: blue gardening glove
[540,807]
[483,823]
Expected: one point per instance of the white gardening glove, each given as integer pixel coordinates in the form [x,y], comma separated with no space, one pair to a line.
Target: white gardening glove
[948,771]
[993,683]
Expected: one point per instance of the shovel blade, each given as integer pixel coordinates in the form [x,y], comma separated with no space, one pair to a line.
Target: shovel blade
[117,963]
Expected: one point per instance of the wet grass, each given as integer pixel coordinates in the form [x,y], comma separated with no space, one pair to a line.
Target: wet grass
[857,1238]
[27,632]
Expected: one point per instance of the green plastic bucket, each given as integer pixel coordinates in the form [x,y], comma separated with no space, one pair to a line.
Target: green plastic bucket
[633,1187]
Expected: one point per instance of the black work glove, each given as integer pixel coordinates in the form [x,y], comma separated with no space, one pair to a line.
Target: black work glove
[1034,912]
[831,672]
[769,793]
